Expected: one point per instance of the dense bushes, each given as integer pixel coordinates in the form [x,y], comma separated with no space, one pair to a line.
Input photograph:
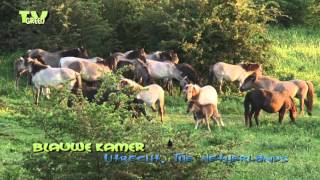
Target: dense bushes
[90,123]
[202,32]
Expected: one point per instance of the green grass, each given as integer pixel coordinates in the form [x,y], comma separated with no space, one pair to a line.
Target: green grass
[296,54]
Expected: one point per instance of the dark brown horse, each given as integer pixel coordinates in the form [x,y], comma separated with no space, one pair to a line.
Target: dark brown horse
[134,54]
[269,101]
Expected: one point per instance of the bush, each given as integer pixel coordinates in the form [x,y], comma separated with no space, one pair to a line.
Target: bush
[202,32]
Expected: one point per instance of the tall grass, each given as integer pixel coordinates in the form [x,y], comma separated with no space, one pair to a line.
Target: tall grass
[295,54]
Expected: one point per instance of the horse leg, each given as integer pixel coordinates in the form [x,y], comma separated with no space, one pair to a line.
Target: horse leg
[217,116]
[220,85]
[17,80]
[220,120]
[256,116]
[208,123]
[170,86]
[153,107]
[160,110]
[301,99]
[250,117]
[282,112]
[197,124]
[38,95]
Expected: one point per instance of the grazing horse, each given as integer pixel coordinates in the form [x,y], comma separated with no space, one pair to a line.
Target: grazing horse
[164,56]
[204,111]
[152,95]
[269,101]
[90,71]
[138,71]
[44,76]
[230,72]
[187,71]
[136,105]
[303,90]
[165,70]
[53,58]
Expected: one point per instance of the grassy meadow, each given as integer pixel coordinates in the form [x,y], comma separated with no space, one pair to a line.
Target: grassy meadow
[296,54]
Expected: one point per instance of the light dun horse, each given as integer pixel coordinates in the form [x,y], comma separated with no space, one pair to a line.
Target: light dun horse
[165,70]
[269,101]
[44,76]
[223,71]
[303,90]
[152,95]
[90,71]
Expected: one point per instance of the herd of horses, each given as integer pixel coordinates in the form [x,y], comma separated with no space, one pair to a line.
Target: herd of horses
[74,70]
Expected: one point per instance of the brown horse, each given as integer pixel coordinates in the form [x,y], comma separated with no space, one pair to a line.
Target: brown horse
[303,90]
[269,101]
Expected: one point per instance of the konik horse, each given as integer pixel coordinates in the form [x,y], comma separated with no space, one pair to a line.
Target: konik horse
[223,71]
[303,90]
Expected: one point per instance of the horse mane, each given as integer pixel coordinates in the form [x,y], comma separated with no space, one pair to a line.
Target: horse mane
[74,52]
[189,71]
[250,66]
[112,62]
[39,59]
[139,53]
[36,66]
[134,54]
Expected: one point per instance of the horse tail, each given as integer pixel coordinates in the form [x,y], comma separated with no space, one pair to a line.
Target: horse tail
[310,97]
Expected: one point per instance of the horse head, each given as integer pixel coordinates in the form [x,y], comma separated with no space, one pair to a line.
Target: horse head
[191,90]
[83,52]
[142,55]
[248,82]
[139,53]
[251,66]
[174,57]
[111,62]
[19,65]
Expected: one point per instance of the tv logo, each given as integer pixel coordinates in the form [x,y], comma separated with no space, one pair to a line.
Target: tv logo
[34,19]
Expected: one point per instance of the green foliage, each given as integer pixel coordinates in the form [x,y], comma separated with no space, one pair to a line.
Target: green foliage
[202,32]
